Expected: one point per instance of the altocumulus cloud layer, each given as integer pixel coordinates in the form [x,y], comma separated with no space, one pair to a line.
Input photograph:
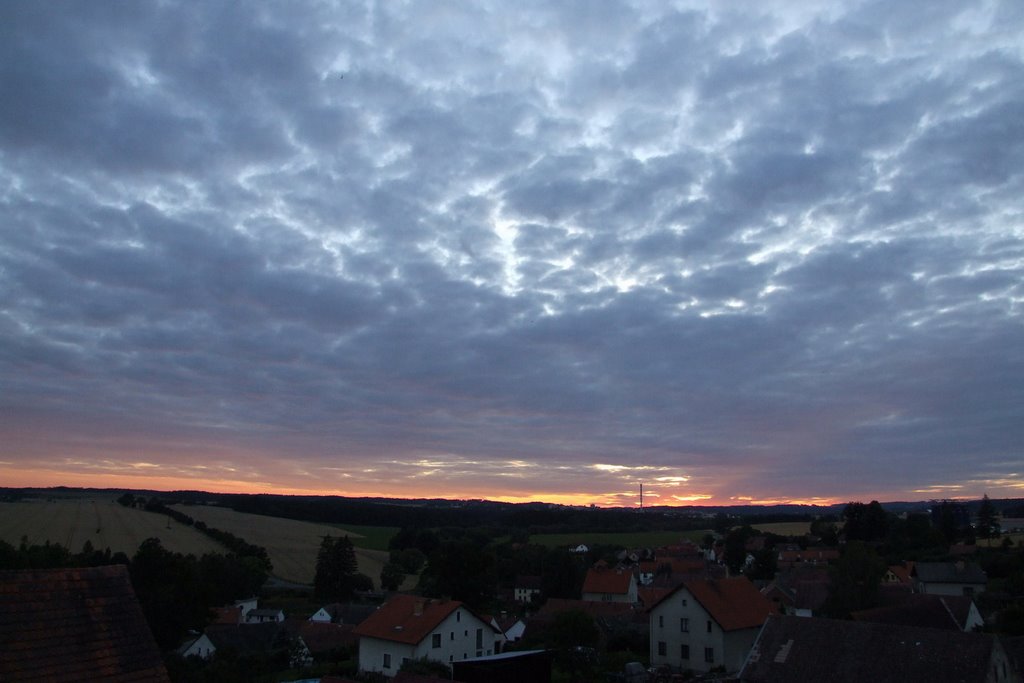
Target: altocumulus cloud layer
[542,250]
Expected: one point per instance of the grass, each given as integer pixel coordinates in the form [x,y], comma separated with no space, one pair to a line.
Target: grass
[625,539]
[99,520]
[371,537]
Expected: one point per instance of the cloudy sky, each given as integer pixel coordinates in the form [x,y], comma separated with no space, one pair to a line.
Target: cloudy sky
[523,251]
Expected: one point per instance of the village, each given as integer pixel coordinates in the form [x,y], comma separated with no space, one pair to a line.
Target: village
[742,605]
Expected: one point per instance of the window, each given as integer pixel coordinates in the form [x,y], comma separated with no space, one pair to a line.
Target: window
[684,602]
[684,625]
[452,636]
[684,651]
[661,621]
[435,640]
[709,655]
[458,616]
[479,639]
[662,649]
[709,626]
[387,661]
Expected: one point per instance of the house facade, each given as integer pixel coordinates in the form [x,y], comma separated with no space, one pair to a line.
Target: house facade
[707,623]
[410,627]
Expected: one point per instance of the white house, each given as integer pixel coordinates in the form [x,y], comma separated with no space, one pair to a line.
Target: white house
[262,616]
[707,623]
[410,627]
[949,578]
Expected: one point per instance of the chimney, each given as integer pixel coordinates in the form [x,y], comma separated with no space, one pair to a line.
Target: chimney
[417,608]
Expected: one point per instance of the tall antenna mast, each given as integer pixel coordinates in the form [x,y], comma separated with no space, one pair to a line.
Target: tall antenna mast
[641,496]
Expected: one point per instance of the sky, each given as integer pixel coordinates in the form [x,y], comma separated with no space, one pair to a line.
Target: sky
[532,251]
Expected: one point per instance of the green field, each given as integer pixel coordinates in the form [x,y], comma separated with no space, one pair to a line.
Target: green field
[625,539]
[370,537]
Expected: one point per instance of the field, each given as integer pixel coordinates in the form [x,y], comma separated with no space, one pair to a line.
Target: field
[785,528]
[71,522]
[640,539]
[293,544]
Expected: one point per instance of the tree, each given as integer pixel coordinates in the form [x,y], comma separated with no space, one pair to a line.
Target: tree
[865,522]
[336,570]
[391,576]
[987,524]
[854,580]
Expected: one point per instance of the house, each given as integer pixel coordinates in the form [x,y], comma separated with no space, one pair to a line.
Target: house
[800,591]
[899,574]
[410,627]
[604,584]
[339,613]
[257,638]
[510,629]
[75,624]
[707,623]
[949,578]
[949,612]
[324,640]
[813,556]
[262,616]
[797,649]
[526,587]
[580,549]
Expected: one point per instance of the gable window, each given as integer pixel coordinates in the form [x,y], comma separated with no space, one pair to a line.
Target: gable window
[435,640]
[662,648]
[458,616]
[684,602]
[709,655]
[684,625]
[709,626]
[684,651]
[387,661]
[661,621]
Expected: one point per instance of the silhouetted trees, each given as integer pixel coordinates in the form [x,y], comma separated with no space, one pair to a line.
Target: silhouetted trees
[337,571]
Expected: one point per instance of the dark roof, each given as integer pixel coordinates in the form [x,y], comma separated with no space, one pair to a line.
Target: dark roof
[812,649]
[948,612]
[322,637]
[244,638]
[74,624]
[949,572]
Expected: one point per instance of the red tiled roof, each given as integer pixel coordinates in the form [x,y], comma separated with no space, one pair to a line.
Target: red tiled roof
[611,581]
[733,603]
[227,615]
[407,619]
[74,624]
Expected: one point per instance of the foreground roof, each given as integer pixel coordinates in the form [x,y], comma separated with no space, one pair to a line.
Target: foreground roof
[949,612]
[813,649]
[74,624]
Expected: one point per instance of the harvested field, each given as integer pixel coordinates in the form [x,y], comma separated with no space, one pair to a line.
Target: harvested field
[292,544]
[102,521]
